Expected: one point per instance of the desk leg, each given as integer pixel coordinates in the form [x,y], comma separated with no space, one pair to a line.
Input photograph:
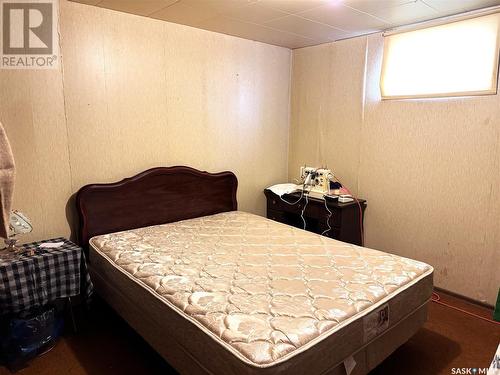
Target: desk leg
[72,315]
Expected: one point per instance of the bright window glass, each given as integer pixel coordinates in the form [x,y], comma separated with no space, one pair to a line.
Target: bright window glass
[456,59]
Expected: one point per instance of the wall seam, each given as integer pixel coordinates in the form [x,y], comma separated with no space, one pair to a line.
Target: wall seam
[289,119]
[64,101]
[33,127]
[363,108]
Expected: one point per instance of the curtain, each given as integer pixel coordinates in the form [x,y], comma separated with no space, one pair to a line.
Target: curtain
[7,174]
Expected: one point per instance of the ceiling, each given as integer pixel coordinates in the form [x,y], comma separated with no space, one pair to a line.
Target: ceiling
[293,23]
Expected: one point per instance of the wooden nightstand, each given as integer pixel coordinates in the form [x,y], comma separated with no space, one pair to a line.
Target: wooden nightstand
[345,221]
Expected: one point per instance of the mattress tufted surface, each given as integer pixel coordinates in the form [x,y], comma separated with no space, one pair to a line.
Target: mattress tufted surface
[264,290]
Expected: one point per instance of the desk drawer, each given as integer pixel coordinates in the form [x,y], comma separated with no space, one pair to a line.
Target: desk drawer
[277,204]
[335,219]
[276,216]
[333,233]
[313,209]
[344,221]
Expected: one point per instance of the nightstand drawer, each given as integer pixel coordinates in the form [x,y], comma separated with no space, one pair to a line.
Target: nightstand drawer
[294,206]
[335,220]
[333,233]
[274,203]
[280,204]
[276,216]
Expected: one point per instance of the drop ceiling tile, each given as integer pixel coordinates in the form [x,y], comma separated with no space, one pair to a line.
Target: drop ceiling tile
[184,14]
[371,6]
[299,44]
[406,13]
[143,8]
[307,28]
[256,13]
[229,26]
[256,32]
[313,21]
[447,7]
[345,18]
[287,40]
[295,6]
[217,6]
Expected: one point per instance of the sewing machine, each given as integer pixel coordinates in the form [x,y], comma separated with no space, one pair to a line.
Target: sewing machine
[316,181]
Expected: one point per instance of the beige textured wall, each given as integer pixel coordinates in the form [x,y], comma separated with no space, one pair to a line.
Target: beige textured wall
[430,169]
[133,93]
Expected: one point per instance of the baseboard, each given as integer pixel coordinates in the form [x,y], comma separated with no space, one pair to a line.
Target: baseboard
[468,299]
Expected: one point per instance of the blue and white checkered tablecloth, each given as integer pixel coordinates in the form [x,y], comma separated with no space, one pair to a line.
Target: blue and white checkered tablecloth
[39,279]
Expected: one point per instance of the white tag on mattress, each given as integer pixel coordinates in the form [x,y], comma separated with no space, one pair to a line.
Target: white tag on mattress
[375,323]
[349,365]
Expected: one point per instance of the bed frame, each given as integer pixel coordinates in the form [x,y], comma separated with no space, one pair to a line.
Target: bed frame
[164,195]
[156,196]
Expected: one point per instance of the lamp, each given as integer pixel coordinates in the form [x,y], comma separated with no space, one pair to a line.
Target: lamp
[18,224]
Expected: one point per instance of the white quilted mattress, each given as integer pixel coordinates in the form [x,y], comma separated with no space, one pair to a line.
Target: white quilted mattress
[263,290]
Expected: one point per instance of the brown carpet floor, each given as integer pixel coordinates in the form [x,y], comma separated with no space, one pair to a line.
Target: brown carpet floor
[106,345]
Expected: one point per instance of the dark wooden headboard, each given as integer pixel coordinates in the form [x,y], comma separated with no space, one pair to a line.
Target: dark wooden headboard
[156,196]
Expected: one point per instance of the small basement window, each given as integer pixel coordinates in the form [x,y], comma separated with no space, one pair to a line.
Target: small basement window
[455,59]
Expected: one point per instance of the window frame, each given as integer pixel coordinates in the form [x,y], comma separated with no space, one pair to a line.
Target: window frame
[462,94]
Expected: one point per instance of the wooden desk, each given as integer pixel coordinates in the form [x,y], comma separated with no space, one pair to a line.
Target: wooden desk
[345,221]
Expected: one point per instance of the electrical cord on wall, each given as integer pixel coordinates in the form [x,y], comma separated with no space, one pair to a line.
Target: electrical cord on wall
[437,299]
[361,229]
[297,201]
[304,192]
[330,214]
[303,209]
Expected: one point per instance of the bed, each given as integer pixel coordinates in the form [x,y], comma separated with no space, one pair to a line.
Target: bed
[218,291]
